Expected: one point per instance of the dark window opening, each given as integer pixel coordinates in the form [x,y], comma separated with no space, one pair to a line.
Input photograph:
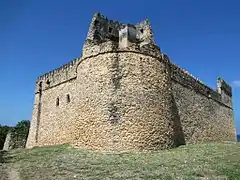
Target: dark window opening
[68,98]
[96,23]
[48,82]
[110,29]
[40,85]
[209,93]
[141,30]
[40,88]
[57,102]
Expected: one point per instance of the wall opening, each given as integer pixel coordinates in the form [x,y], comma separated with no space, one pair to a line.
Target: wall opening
[68,98]
[40,86]
[209,94]
[141,30]
[48,82]
[110,29]
[57,102]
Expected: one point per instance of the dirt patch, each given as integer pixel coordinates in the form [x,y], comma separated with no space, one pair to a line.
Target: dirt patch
[8,173]
[3,172]
[13,174]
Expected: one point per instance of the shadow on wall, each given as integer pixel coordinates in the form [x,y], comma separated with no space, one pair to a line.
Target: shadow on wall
[179,138]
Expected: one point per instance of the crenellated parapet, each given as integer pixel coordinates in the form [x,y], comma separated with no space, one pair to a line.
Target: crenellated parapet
[57,76]
[222,94]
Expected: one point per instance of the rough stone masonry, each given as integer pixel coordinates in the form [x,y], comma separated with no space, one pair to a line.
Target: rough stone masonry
[124,94]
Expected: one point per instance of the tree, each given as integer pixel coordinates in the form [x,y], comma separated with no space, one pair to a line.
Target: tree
[22,128]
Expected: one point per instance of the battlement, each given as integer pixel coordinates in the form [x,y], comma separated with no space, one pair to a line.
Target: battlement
[222,95]
[57,76]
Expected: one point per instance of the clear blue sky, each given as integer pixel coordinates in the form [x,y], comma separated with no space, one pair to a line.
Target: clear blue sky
[201,36]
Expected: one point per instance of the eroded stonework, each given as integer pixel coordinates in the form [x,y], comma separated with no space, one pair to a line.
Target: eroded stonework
[125,94]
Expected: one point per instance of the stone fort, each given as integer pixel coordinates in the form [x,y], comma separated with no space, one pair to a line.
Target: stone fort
[124,94]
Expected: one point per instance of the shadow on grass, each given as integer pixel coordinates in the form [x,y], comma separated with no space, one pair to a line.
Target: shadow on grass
[3,157]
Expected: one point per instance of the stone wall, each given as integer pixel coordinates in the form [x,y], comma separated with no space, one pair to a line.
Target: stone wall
[127,103]
[117,98]
[205,114]
[202,118]
[53,83]
[116,93]
[52,125]
[7,143]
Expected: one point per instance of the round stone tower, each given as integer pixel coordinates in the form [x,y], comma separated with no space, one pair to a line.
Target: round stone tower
[124,90]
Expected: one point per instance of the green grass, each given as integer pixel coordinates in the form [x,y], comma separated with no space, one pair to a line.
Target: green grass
[203,161]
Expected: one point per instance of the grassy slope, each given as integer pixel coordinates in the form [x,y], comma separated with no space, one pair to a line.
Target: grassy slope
[205,161]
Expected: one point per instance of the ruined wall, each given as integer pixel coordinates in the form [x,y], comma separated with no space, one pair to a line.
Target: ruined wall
[102,29]
[7,143]
[14,141]
[16,138]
